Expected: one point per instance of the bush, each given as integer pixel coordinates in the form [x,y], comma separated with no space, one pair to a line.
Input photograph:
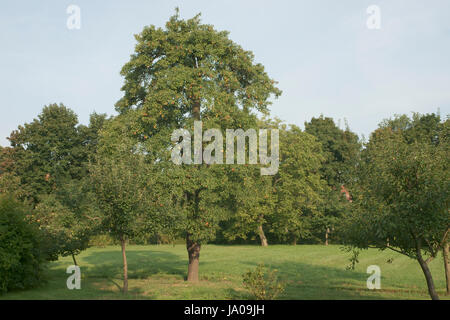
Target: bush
[21,247]
[263,284]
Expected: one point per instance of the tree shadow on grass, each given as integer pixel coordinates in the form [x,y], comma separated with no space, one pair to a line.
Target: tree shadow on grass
[302,280]
[141,264]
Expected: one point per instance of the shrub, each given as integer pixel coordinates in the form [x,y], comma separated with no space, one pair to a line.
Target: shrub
[353,260]
[262,283]
[21,247]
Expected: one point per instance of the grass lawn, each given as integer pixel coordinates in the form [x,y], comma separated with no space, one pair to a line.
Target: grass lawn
[309,271]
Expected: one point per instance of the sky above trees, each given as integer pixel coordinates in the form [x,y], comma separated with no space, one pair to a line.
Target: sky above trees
[323,55]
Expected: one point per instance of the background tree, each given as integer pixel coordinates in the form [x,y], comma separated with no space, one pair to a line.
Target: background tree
[9,181]
[6,160]
[52,149]
[185,72]
[48,162]
[341,150]
[280,202]
[401,196]
[299,185]
[254,199]
[47,150]
[89,135]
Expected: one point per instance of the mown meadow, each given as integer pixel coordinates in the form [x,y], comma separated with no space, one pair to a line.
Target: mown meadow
[308,271]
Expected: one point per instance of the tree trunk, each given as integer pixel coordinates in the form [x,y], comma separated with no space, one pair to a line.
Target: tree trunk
[428,276]
[158,239]
[125,266]
[193,249]
[326,236]
[262,236]
[294,241]
[74,260]
[446,254]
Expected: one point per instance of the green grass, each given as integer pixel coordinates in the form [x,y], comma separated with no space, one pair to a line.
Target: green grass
[309,271]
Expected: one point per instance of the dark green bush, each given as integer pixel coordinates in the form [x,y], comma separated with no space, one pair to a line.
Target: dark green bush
[21,247]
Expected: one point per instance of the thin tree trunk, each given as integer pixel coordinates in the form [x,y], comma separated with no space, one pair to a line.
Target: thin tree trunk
[74,260]
[158,239]
[428,276]
[294,241]
[446,254]
[262,236]
[125,266]
[193,249]
[326,236]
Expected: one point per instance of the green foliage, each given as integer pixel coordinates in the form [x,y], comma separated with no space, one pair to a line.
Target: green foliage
[102,240]
[120,195]
[123,183]
[47,150]
[298,185]
[401,198]
[187,60]
[68,228]
[263,283]
[52,150]
[353,259]
[21,247]
[341,150]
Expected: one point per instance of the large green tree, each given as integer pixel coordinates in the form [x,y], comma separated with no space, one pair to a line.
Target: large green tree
[185,72]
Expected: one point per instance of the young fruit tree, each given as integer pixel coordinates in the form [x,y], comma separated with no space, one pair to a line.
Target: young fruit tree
[67,228]
[183,73]
[122,181]
[400,201]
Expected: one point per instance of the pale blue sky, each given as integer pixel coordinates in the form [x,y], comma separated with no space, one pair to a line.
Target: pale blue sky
[325,58]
